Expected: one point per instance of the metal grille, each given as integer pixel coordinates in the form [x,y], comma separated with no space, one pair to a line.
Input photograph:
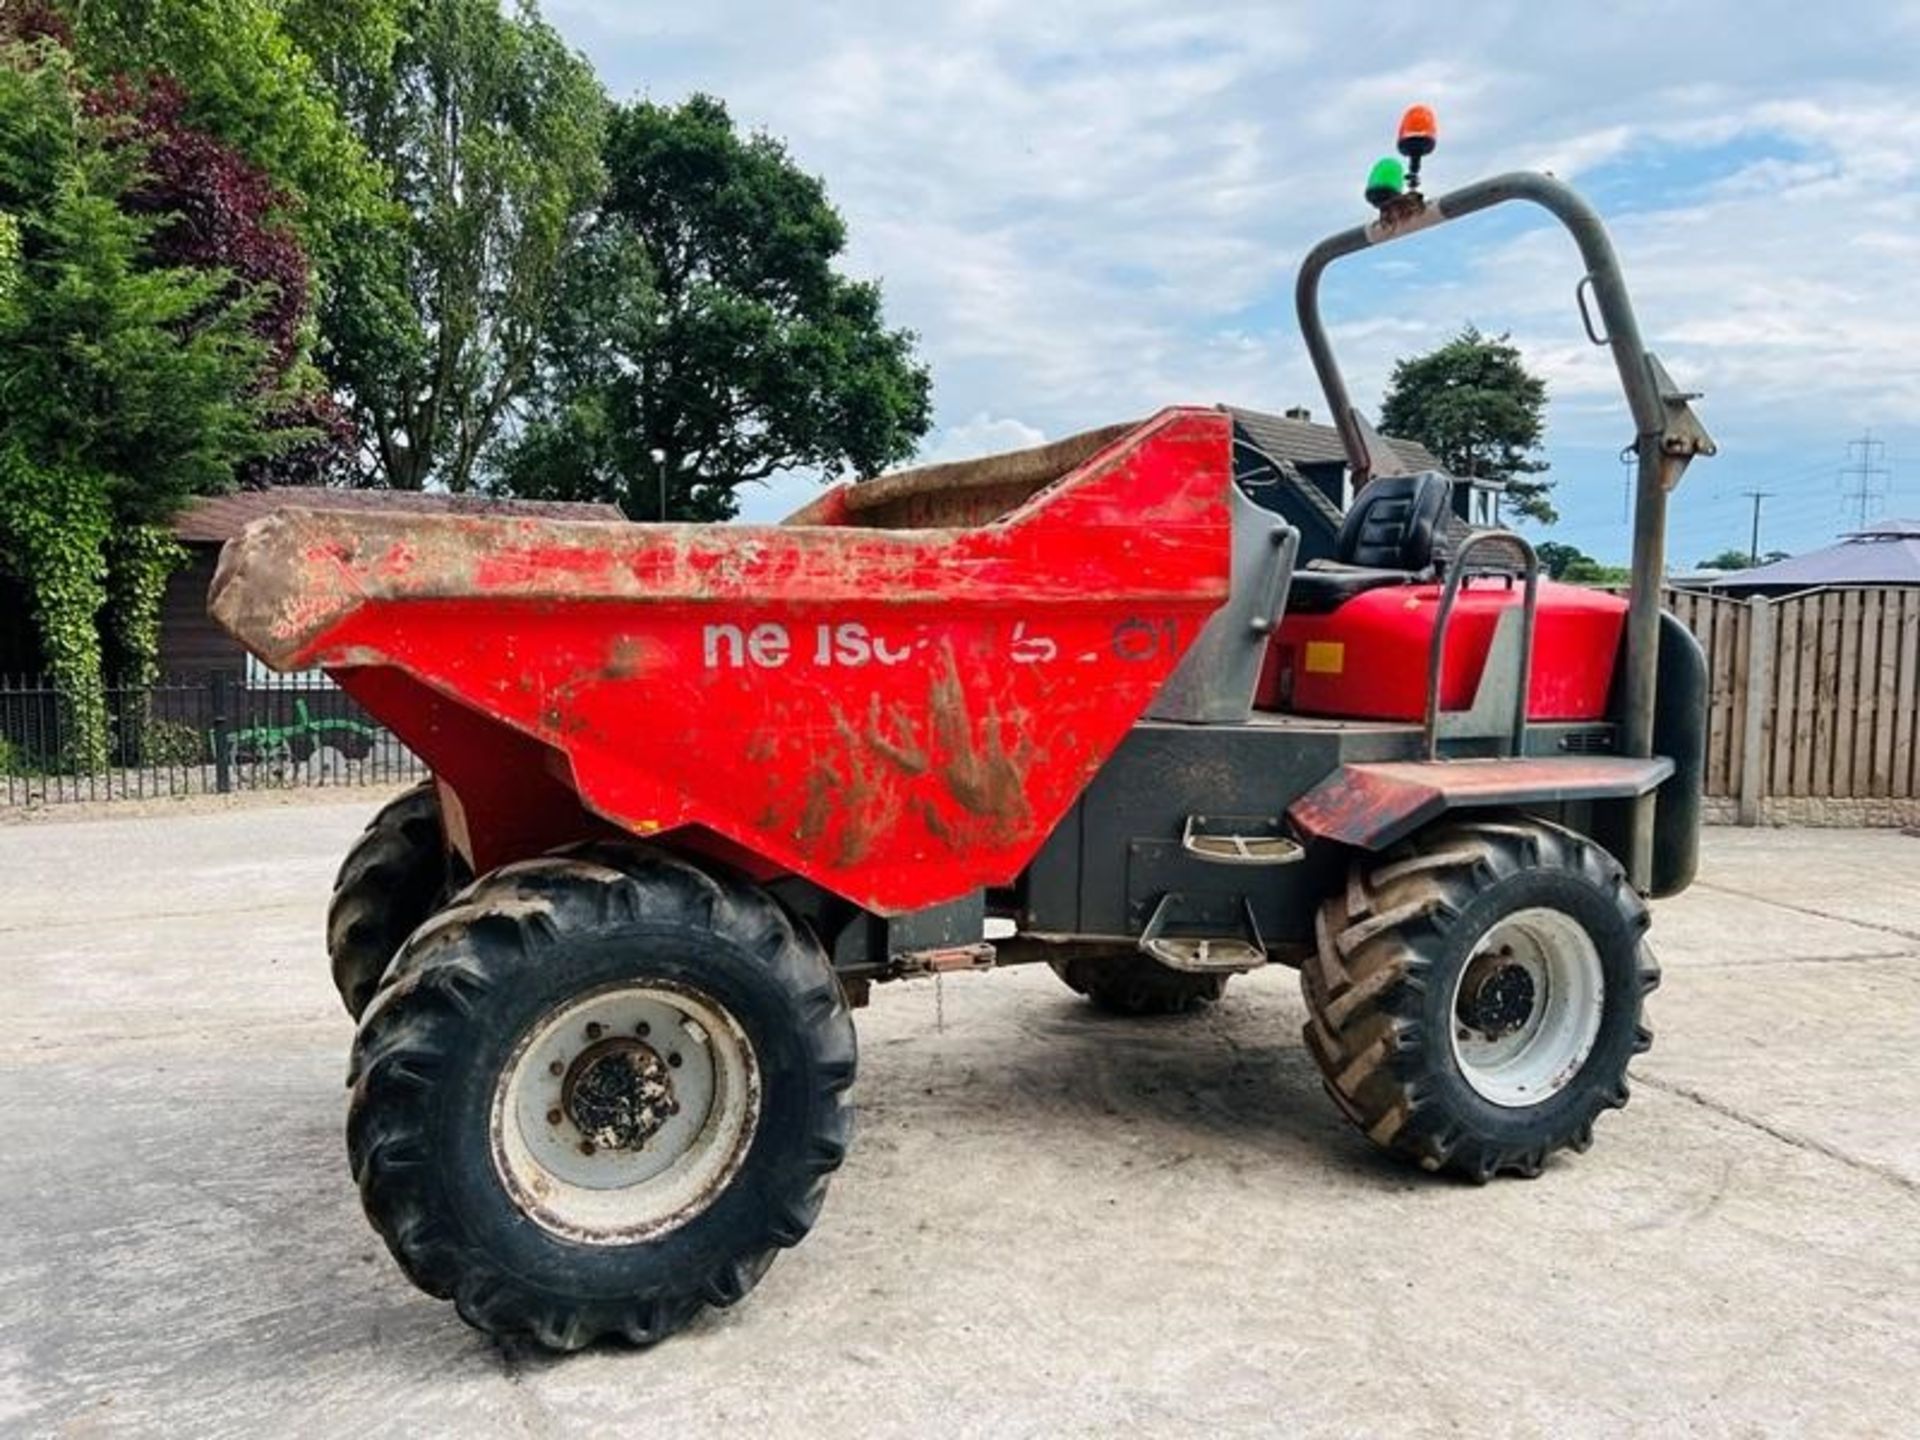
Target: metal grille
[1587,742]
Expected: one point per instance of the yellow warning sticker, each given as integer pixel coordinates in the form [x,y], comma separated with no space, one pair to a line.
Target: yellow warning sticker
[1326,657]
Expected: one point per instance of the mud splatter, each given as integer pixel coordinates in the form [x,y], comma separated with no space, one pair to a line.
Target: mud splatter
[623,658]
[903,746]
[986,776]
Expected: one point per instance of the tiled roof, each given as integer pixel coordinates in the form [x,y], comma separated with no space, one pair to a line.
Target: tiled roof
[213,519]
[1305,443]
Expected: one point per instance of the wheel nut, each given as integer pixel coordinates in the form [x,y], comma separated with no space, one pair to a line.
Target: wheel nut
[556,1068]
[553,1117]
[673,1059]
[643,1029]
[595,1029]
[586,1147]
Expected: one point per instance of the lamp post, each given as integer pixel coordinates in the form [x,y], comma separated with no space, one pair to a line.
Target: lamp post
[660,469]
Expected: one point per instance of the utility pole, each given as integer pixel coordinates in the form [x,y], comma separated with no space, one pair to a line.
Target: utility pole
[1866,473]
[1753,545]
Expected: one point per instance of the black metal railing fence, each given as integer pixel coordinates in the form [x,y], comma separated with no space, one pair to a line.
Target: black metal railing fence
[191,734]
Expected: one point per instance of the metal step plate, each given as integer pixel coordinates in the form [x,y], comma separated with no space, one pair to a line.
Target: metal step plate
[1240,840]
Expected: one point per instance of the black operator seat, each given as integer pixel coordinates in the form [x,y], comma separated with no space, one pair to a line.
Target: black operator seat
[1388,538]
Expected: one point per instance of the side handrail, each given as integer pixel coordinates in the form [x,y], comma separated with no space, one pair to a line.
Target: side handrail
[1437,647]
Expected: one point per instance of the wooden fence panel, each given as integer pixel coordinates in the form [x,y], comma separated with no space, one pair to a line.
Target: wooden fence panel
[1886,732]
[1846,718]
[1740,619]
[1826,695]
[1721,626]
[1905,767]
[1786,655]
[1841,716]
[1805,612]
[1875,703]
[1737,622]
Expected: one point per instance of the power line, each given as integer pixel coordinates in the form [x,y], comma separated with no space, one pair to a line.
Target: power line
[1718,498]
[1867,472]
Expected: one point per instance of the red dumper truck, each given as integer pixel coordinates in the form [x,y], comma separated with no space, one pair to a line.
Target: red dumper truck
[696,788]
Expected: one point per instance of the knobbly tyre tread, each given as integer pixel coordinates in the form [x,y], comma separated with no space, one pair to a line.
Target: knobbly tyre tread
[421,1022]
[1380,938]
[393,878]
[1129,983]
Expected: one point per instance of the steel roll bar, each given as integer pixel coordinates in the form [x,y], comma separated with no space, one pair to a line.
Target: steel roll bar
[1666,434]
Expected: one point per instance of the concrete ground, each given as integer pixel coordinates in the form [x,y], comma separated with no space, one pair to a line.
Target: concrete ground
[1051,1223]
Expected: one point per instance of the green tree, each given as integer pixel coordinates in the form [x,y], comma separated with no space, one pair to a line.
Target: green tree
[259,75]
[9,252]
[706,324]
[1475,405]
[489,129]
[1739,560]
[1556,558]
[126,384]
[1573,565]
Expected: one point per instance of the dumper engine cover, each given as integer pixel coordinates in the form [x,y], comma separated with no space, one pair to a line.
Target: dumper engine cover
[1367,660]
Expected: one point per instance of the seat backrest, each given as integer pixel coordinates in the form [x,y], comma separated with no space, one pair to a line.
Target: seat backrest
[1395,520]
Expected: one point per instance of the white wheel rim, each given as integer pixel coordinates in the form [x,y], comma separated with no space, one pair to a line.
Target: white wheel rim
[1526,1007]
[623,1113]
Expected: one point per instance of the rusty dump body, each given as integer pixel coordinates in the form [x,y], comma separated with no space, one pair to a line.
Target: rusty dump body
[895,695]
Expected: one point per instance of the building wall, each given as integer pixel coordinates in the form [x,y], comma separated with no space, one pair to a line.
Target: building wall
[190,643]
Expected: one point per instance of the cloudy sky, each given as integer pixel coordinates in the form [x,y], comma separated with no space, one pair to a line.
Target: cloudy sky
[1088,210]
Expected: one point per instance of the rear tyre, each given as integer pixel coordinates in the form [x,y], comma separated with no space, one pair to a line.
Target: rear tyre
[1126,982]
[598,1093]
[395,876]
[1476,997]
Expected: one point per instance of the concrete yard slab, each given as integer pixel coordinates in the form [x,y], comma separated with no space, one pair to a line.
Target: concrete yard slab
[1712,924]
[1050,1223]
[1842,874]
[1824,1054]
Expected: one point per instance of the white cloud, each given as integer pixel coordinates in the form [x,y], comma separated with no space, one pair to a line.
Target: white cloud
[1088,210]
[984,434]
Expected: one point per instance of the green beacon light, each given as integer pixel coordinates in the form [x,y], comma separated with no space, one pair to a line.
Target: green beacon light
[1386,182]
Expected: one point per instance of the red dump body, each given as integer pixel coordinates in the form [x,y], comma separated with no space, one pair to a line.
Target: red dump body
[898,714]
[1368,659]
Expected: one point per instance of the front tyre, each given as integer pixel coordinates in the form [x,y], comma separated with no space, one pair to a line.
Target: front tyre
[1475,998]
[598,1093]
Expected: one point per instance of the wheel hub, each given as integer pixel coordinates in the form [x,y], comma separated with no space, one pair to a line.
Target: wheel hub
[1527,1007]
[1497,996]
[619,1094]
[624,1110]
